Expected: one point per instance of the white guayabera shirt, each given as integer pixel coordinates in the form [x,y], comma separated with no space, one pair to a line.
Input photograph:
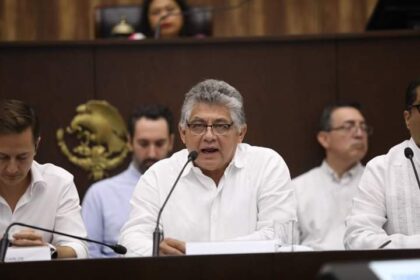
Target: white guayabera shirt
[387,206]
[253,192]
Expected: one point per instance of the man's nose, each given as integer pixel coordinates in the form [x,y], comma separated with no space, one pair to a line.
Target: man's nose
[359,131]
[152,151]
[209,133]
[12,166]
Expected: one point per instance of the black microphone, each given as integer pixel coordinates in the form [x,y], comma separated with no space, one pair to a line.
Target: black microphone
[408,152]
[157,234]
[197,10]
[117,248]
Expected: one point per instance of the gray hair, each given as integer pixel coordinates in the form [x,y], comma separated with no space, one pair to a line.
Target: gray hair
[214,92]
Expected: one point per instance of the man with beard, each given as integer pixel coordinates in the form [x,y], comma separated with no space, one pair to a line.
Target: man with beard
[106,205]
[325,193]
[386,209]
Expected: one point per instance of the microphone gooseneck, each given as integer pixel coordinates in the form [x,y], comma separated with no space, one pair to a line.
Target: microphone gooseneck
[383,245]
[157,233]
[408,152]
[117,248]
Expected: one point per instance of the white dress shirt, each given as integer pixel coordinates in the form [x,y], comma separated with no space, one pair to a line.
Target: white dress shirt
[387,206]
[51,201]
[253,192]
[324,201]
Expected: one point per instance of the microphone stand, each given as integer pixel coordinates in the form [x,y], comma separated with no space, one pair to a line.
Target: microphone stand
[158,233]
[408,152]
[119,249]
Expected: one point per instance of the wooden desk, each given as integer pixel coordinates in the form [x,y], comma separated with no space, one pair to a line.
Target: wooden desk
[301,265]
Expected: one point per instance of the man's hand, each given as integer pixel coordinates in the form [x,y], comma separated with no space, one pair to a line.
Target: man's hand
[27,237]
[171,247]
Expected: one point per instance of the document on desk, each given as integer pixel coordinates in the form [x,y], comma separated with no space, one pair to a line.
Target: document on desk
[23,254]
[396,269]
[230,247]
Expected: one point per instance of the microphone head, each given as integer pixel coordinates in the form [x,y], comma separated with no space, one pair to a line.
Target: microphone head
[119,249]
[408,152]
[192,155]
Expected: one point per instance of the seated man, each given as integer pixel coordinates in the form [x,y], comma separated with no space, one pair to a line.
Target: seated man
[324,194]
[387,205]
[233,191]
[42,195]
[106,204]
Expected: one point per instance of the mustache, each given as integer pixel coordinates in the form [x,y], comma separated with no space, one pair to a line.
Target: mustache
[149,161]
[358,144]
[359,147]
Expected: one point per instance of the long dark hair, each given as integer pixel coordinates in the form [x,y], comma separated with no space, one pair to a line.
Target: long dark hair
[147,30]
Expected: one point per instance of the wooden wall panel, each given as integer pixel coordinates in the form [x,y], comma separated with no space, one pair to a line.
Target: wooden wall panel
[73,19]
[344,15]
[285,83]
[387,67]
[230,22]
[299,17]
[55,81]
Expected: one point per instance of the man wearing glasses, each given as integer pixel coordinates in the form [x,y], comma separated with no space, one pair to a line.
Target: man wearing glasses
[232,191]
[325,193]
[386,209]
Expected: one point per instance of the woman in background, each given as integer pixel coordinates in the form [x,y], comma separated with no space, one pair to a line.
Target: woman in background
[172,16]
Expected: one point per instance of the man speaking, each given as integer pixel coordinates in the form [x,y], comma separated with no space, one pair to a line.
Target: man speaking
[232,191]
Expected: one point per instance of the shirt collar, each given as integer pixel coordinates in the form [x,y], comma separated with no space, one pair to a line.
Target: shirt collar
[347,176]
[37,180]
[133,171]
[184,156]
[239,157]
[416,150]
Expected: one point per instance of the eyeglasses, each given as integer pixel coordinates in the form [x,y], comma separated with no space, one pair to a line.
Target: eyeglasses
[351,127]
[417,106]
[217,128]
[169,10]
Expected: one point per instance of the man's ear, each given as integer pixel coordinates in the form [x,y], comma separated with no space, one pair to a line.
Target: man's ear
[242,133]
[323,138]
[130,143]
[182,132]
[37,144]
[407,115]
[171,141]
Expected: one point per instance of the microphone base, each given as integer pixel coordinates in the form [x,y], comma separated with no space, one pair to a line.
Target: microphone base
[3,248]
[157,237]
